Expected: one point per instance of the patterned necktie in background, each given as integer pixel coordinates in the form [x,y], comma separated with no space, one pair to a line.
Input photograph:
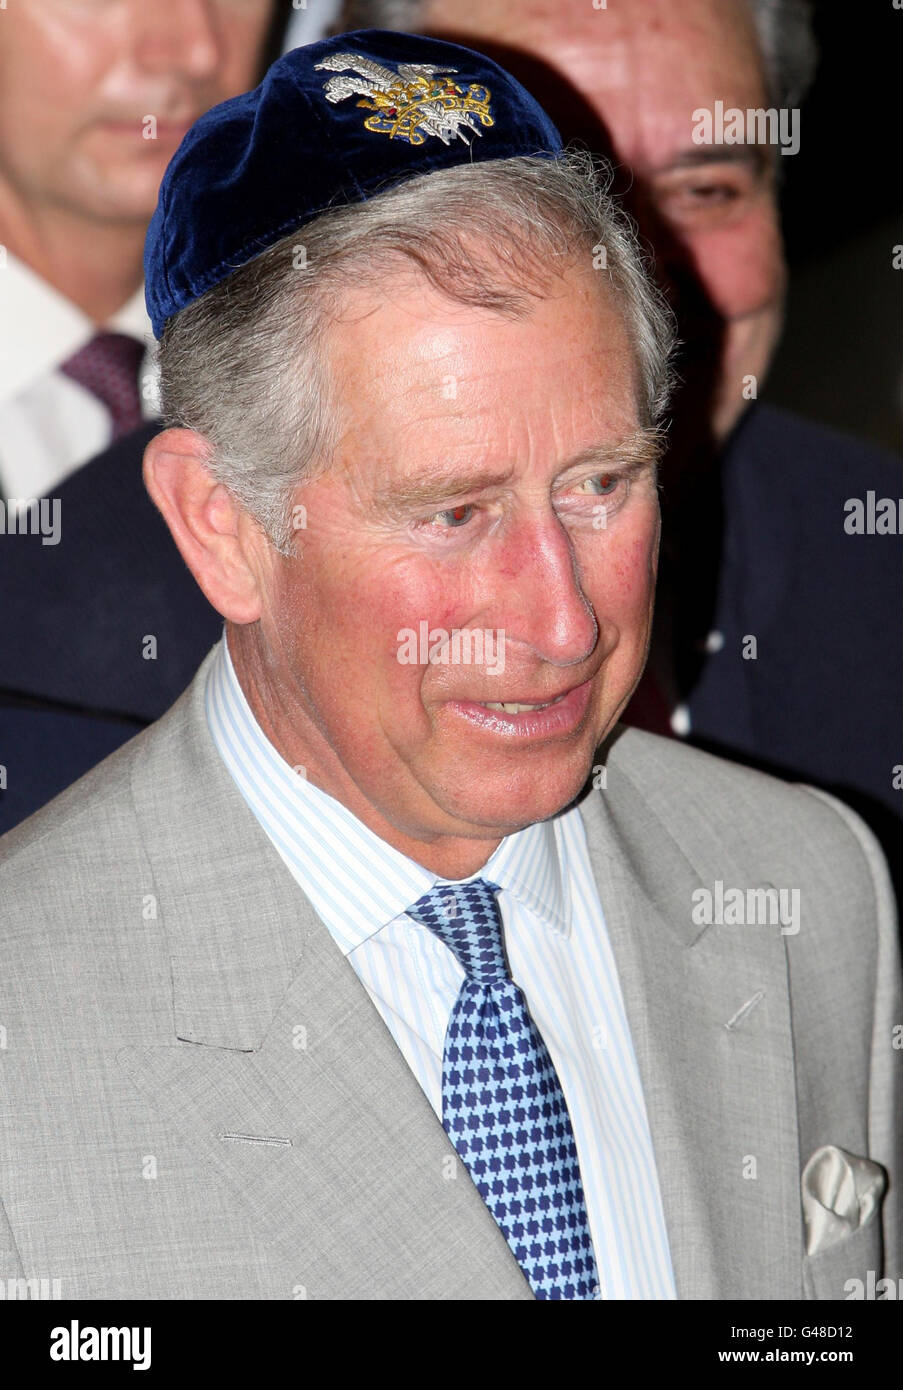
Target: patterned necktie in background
[502,1103]
[107,366]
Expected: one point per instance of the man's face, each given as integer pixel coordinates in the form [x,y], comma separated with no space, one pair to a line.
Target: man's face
[78,78]
[468,493]
[639,70]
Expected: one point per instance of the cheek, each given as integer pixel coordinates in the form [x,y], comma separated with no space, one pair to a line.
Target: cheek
[72,55]
[634,577]
[619,570]
[242,40]
[741,267]
[49,76]
[347,614]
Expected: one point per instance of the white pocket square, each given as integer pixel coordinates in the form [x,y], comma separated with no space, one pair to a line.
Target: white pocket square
[841,1192]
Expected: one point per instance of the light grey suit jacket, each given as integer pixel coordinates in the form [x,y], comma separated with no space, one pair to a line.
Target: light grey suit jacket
[199,1100]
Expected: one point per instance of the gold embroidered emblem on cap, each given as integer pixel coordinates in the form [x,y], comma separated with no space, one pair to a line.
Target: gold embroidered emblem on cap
[416,101]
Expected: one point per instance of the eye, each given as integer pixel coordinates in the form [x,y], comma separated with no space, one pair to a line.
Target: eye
[596,496]
[453,517]
[699,197]
[711,192]
[602,484]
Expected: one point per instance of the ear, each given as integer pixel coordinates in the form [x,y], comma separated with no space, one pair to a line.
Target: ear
[222,546]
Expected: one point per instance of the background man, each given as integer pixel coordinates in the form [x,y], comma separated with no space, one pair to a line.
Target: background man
[344,913]
[95,96]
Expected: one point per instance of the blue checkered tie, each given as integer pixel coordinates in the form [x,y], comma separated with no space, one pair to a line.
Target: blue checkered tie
[502,1103]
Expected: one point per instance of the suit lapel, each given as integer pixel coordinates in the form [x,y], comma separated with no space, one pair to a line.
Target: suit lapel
[709,1014]
[368,1199]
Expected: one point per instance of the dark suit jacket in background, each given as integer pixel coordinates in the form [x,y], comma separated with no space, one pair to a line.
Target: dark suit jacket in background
[823,700]
[74,683]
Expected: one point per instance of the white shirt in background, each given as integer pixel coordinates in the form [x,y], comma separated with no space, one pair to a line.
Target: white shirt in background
[49,425]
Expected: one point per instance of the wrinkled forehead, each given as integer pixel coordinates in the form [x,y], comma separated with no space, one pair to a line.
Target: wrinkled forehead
[420,378]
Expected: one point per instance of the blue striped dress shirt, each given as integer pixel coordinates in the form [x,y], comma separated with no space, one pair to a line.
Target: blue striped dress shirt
[558,950]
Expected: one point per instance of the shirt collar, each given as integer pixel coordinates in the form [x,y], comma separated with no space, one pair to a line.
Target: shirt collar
[133,319]
[366,883]
[40,328]
[532,865]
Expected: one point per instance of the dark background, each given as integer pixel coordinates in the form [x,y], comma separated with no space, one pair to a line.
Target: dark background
[841,361]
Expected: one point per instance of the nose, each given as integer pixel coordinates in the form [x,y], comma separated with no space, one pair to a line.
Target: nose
[540,599]
[180,36]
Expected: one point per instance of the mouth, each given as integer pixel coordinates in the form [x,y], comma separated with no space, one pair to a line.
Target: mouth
[529,719]
[521,706]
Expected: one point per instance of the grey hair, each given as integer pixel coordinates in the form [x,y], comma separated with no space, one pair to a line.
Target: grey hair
[789,50]
[784,29]
[247,366]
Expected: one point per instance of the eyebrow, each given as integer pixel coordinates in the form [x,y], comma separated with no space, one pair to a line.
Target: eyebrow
[637,451]
[753,157]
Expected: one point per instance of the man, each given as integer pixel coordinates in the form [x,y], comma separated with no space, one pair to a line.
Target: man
[774,622]
[94,99]
[387,965]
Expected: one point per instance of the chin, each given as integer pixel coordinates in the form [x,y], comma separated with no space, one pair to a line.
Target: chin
[508,801]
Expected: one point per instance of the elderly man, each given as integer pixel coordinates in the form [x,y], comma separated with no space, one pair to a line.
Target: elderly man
[388,965]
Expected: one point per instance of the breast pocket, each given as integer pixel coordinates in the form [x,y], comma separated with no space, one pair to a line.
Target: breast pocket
[860,1256]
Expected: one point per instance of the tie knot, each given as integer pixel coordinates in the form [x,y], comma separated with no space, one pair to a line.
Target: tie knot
[466,917]
[107,366]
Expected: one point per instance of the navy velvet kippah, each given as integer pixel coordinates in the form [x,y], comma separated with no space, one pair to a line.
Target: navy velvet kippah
[331,123]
